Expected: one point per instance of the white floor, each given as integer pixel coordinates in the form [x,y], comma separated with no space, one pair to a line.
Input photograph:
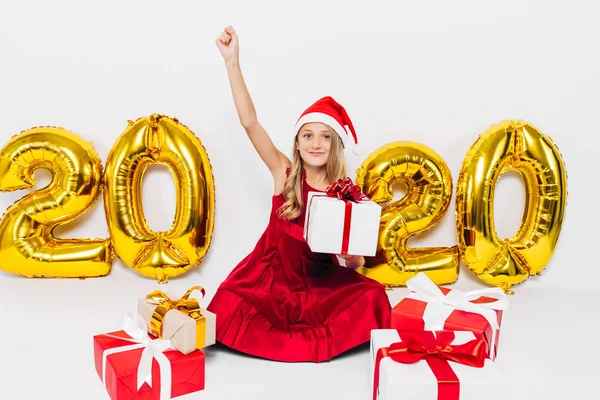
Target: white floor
[548,346]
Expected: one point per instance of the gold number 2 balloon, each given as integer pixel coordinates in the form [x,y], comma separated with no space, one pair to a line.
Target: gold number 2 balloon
[27,246]
[520,147]
[429,191]
[159,140]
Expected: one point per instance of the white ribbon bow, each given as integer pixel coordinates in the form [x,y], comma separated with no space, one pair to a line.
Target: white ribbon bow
[440,305]
[135,326]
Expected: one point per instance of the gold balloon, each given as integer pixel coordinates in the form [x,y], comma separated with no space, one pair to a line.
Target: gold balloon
[428,195]
[159,140]
[27,245]
[520,147]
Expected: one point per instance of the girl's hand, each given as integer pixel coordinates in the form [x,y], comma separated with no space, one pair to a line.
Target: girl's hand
[352,262]
[228,44]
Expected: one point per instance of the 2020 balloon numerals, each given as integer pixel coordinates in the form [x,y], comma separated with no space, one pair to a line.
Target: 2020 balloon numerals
[510,145]
[27,246]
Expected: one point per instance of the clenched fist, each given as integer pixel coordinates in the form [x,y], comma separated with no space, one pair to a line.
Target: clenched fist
[228,44]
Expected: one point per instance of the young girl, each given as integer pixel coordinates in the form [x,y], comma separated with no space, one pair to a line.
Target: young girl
[283,302]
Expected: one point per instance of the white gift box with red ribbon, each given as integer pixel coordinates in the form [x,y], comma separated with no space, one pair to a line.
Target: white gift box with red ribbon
[337,226]
[397,380]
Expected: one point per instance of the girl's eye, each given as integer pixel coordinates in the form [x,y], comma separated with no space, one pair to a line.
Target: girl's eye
[327,137]
[307,135]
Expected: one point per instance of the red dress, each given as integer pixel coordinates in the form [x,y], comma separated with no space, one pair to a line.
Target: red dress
[283,302]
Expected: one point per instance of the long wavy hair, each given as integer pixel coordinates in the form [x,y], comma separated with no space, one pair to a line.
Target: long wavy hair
[292,190]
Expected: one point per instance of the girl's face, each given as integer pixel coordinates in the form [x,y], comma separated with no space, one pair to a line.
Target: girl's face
[314,144]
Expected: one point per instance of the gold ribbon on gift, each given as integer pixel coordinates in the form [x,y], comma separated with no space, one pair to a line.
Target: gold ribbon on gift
[185,304]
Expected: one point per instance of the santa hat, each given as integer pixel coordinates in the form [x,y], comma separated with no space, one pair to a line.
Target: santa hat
[328,111]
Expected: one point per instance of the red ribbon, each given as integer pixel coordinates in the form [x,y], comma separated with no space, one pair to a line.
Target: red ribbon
[437,350]
[346,232]
[345,190]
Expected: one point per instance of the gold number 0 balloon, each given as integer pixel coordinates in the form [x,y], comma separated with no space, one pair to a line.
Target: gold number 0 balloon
[429,191]
[515,146]
[27,246]
[159,140]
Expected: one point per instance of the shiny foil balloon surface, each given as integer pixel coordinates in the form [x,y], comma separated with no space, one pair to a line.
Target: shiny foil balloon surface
[27,244]
[428,185]
[516,146]
[159,140]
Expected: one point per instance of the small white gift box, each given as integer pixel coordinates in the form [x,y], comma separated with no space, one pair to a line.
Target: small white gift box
[337,226]
[420,380]
[187,332]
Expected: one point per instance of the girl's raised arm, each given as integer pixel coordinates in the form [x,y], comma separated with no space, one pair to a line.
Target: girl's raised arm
[276,161]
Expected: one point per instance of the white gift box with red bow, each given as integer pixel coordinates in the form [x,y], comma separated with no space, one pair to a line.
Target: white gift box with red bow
[419,380]
[338,226]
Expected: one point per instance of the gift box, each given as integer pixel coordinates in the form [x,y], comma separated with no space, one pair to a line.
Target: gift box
[441,365]
[429,307]
[181,321]
[136,367]
[342,221]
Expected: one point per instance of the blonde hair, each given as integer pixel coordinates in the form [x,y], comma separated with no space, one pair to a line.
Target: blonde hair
[292,190]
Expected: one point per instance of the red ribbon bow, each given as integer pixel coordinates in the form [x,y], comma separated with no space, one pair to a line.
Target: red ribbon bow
[437,349]
[345,189]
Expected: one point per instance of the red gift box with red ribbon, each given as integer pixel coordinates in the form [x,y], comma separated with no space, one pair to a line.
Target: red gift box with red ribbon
[342,220]
[118,365]
[436,365]
[430,307]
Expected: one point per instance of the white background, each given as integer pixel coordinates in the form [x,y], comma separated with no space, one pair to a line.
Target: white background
[436,72]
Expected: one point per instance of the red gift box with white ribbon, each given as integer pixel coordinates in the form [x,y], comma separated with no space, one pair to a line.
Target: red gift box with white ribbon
[134,365]
[433,308]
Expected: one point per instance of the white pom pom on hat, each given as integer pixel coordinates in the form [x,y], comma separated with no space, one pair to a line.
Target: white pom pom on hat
[328,111]
[358,149]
